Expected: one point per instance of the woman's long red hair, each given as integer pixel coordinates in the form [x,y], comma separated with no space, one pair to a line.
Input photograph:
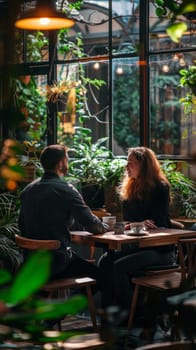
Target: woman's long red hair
[151,173]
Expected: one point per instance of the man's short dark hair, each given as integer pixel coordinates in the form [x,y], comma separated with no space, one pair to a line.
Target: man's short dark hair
[51,155]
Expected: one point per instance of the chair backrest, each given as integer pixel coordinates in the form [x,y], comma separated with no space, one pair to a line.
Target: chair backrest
[36,244]
[182,345]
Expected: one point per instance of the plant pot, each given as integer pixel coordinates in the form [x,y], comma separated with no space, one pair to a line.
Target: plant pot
[93,195]
[112,203]
[25,79]
[61,104]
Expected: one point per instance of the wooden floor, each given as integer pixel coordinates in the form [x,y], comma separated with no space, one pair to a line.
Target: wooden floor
[122,340]
[134,339]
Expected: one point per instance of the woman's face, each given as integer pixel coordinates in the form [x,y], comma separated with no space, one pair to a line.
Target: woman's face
[133,167]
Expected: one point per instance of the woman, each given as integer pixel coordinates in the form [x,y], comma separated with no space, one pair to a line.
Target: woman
[145,196]
[145,190]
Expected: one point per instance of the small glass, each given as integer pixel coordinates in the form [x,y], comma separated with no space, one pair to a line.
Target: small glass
[119,228]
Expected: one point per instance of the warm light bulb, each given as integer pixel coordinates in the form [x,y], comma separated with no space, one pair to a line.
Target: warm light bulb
[43,17]
[44,21]
[96,65]
[165,68]
[182,62]
[119,70]
[175,57]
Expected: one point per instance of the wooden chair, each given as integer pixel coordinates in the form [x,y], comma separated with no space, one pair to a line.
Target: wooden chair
[176,224]
[85,342]
[180,345]
[161,280]
[187,248]
[58,287]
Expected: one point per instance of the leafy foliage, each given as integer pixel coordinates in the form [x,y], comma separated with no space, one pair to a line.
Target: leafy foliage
[35,41]
[9,206]
[32,104]
[24,312]
[183,189]
[94,163]
[88,165]
[188,78]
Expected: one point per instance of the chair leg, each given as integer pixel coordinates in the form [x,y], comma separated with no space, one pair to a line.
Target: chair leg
[91,307]
[133,307]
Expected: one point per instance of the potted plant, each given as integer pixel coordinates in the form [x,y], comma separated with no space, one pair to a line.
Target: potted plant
[114,169]
[95,170]
[173,10]
[86,167]
[29,159]
[62,93]
[183,191]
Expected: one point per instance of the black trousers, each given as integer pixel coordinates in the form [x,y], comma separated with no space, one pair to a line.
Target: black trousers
[117,268]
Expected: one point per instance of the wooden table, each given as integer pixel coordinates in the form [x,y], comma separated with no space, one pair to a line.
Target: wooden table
[159,236]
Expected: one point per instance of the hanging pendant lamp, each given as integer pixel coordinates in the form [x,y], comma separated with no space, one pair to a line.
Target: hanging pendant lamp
[43,17]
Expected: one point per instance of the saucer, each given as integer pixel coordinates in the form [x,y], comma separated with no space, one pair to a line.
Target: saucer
[131,233]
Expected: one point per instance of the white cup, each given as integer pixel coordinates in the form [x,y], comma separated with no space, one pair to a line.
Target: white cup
[137,227]
[110,221]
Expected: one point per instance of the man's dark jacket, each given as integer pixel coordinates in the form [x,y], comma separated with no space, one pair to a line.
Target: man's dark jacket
[47,206]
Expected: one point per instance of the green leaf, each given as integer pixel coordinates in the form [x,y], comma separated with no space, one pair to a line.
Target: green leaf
[45,310]
[176,31]
[33,274]
[5,277]
[159,2]
[190,6]
[57,309]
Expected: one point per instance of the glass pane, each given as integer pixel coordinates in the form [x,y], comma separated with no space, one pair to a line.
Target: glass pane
[94,30]
[32,104]
[125,39]
[86,105]
[172,129]
[125,104]
[159,39]
[31,46]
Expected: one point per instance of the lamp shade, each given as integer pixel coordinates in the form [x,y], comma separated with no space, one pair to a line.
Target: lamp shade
[43,17]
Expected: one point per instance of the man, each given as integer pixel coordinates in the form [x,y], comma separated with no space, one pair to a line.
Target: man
[48,206]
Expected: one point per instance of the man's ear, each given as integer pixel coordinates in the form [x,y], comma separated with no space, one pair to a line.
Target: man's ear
[60,165]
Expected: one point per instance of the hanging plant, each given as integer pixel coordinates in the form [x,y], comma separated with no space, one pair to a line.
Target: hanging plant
[60,90]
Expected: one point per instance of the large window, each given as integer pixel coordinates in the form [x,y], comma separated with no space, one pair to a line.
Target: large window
[138,103]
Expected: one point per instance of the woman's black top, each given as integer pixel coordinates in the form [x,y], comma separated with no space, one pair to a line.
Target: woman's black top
[155,208]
